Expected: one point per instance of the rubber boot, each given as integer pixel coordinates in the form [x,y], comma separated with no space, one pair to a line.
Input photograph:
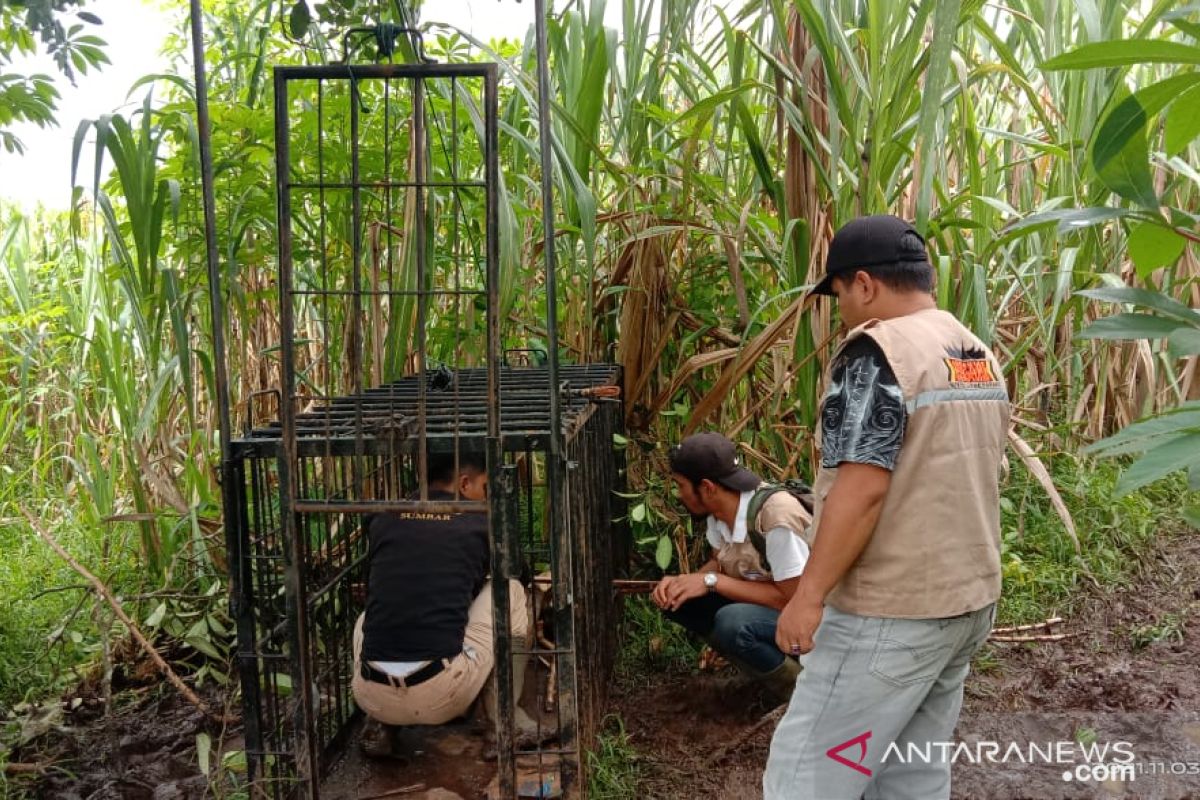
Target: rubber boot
[781,681]
[378,740]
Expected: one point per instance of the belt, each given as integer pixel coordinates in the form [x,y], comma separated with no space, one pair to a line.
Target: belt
[407,682]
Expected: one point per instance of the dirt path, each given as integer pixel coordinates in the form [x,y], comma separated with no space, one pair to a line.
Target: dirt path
[1131,675]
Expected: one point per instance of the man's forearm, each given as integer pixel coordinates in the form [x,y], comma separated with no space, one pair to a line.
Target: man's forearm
[762,593]
[848,520]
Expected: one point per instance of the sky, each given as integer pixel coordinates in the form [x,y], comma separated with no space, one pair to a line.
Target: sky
[135,31]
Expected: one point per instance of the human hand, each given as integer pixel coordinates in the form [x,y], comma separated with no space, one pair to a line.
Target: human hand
[798,623]
[684,588]
[659,595]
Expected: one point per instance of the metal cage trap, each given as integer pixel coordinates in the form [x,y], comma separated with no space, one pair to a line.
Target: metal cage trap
[391,346]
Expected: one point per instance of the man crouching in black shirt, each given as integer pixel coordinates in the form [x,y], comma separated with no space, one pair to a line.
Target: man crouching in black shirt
[423,648]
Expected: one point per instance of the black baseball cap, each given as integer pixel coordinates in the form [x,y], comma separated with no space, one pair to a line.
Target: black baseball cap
[710,455]
[871,242]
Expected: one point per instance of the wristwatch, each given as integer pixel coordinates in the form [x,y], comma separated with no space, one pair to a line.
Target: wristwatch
[710,581]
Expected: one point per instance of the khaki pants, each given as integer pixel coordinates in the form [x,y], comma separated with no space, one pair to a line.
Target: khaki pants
[449,693]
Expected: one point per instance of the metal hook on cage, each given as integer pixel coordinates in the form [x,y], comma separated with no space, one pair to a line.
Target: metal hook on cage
[249,428]
[385,35]
[441,378]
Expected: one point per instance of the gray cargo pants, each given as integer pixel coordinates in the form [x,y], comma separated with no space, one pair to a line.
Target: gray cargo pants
[867,683]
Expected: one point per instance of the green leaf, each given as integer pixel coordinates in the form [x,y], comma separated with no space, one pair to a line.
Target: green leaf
[1130,117]
[1127,171]
[663,553]
[299,19]
[1140,436]
[1069,219]
[1157,301]
[1123,53]
[1183,122]
[156,616]
[204,645]
[946,20]
[1184,342]
[1153,246]
[638,512]
[1129,326]
[204,751]
[1191,515]
[235,761]
[282,682]
[1178,18]
[1159,462]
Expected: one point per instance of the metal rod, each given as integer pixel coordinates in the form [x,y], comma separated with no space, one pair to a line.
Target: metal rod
[305,716]
[378,506]
[389,184]
[420,159]
[502,525]
[388,293]
[215,295]
[555,463]
[371,71]
[232,478]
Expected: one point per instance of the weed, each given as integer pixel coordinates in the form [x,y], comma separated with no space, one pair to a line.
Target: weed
[651,644]
[1168,629]
[613,765]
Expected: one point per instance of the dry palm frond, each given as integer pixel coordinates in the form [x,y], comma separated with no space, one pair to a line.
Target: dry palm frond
[1038,470]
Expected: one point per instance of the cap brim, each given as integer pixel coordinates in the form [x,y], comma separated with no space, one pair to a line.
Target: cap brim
[741,480]
[823,287]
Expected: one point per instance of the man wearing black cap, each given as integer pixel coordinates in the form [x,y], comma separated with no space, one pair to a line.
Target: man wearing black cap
[901,587]
[733,601]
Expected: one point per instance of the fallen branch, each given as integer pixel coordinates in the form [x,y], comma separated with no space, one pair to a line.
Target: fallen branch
[1042,475]
[1033,627]
[634,587]
[415,787]
[106,594]
[19,768]
[724,750]
[1049,637]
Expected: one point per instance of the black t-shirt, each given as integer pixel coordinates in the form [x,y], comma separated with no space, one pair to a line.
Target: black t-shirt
[862,414]
[425,570]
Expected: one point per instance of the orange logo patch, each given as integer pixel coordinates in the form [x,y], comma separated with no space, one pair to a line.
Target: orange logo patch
[970,370]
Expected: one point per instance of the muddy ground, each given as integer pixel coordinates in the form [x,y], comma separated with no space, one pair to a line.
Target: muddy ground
[1109,682]
[1130,673]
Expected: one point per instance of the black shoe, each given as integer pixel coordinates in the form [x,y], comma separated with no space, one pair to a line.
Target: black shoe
[377,740]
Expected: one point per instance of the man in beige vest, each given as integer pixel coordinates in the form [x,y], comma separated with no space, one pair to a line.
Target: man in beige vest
[758,553]
[901,587]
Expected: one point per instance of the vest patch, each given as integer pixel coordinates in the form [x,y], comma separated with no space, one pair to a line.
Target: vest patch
[964,370]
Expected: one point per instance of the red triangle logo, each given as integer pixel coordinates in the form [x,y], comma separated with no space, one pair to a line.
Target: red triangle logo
[835,753]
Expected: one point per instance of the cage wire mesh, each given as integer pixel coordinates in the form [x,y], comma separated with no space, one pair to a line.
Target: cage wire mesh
[391,347]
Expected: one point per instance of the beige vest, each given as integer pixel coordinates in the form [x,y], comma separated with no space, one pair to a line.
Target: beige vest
[936,549]
[741,559]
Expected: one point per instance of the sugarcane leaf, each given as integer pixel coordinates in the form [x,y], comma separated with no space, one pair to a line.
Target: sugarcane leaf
[1157,463]
[1129,326]
[1146,298]
[1124,53]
